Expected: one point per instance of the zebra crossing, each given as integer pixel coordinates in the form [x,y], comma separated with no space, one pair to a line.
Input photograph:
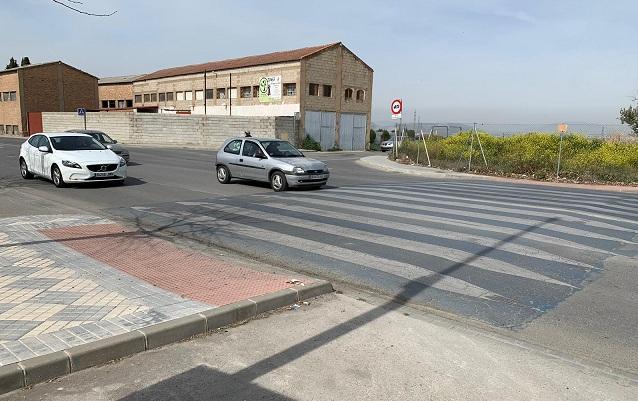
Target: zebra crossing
[503,254]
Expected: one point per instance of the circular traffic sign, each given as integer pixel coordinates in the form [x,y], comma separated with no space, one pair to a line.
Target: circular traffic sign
[396,107]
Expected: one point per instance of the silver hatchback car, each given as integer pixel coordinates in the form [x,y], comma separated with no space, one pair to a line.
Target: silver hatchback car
[269,160]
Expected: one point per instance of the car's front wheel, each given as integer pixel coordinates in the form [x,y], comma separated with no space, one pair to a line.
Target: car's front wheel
[278,181]
[223,174]
[24,170]
[56,177]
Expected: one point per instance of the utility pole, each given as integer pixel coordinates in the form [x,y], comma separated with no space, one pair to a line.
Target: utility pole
[414,122]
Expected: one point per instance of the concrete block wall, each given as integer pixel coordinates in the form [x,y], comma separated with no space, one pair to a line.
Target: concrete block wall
[171,130]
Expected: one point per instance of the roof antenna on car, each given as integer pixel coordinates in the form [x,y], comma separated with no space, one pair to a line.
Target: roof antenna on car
[247,134]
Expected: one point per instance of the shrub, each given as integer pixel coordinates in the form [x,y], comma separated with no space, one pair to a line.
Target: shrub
[534,155]
[310,144]
[373,136]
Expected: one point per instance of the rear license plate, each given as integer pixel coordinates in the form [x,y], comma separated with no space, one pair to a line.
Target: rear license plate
[317,177]
[103,174]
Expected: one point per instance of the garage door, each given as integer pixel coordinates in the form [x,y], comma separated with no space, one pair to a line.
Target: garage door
[320,126]
[352,132]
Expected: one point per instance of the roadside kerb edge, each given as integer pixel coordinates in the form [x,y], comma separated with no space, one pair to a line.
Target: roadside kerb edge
[46,367]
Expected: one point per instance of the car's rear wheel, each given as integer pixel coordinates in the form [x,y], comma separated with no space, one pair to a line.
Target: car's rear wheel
[278,181]
[223,174]
[24,170]
[56,177]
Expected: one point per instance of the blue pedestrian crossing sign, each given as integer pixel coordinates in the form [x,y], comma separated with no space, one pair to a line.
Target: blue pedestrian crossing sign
[81,112]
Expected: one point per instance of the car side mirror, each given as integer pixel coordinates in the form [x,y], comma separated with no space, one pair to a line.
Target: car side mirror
[114,140]
[260,155]
[302,155]
[44,149]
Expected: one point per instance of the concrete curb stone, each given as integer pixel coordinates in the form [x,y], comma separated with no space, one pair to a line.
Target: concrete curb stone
[42,368]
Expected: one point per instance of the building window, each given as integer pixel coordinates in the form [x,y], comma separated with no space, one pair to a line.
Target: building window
[153,97]
[129,103]
[290,89]
[188,95]
[255,91]
[121,104]
[15,128]
[199,95]
[327,91]
[162,97]
[361,95]
[105,104]
[1,129]
[349,93]
[210,94]
[221,93]
[111,104]
[313,89]
[179,96]
[147,97]
[169,96]
[246,91]
[138,98]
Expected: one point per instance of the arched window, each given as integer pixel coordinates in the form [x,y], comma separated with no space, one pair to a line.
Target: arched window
[361,95]
[349,93]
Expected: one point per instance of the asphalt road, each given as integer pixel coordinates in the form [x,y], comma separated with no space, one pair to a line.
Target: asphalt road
[555,267]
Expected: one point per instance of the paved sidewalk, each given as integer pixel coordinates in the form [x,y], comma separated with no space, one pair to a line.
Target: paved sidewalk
[385,164]
[68,280]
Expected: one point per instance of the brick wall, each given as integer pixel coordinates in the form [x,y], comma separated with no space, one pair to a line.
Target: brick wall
[80,89]
[249,76]
[123,91]
[10,111]
[171,130]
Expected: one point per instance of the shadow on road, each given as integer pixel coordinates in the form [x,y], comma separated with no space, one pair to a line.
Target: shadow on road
[203,383]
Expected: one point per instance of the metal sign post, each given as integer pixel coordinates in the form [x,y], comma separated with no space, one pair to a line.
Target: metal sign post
[82,112]
[562,128]
[396,107]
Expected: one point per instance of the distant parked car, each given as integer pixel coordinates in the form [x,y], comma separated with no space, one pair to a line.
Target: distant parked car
[67,157]
[269,160]
[387,145]
[105,140]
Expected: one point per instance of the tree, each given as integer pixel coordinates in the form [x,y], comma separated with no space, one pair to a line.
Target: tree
[373,136]
[77,10]
[25,61]
[385,135]
[629,116]
[12,64]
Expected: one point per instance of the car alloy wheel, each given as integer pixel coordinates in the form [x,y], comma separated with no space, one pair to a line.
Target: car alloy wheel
[278,182]
[24,170]
[223,175]
[56,176]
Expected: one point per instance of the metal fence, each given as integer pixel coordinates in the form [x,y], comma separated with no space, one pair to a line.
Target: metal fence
[504,129]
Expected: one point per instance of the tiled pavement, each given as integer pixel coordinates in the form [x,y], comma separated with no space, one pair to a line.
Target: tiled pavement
[69,280]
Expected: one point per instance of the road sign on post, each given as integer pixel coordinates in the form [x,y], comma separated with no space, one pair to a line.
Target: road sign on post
[396,107]
[82,113]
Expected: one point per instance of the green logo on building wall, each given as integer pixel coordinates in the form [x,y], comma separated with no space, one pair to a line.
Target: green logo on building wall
[270,89]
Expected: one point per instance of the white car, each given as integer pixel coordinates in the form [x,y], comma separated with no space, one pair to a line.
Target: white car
[67,158]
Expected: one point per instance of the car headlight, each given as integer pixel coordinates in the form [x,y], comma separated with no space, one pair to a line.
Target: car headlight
[298,170]
[70,164]
[122,162]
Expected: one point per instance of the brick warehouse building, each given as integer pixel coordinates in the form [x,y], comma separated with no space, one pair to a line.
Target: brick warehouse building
[29,90]
[327,88]
[116,93]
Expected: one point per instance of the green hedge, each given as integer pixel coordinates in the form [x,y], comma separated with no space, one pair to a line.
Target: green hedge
[534,155]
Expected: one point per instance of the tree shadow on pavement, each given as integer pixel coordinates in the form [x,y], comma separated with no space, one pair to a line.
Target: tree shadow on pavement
[210,384]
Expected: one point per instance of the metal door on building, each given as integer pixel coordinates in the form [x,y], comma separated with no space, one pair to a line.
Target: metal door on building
[34,119]
[352,131]
[320,126]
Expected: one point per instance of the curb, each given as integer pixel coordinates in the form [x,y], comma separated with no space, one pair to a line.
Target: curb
[431,172]
[46,367]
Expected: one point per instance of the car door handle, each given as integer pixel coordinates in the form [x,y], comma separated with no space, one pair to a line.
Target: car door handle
[241,160]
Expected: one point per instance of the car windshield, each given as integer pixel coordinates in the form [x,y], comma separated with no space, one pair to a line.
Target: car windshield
[75,143]
[280,149]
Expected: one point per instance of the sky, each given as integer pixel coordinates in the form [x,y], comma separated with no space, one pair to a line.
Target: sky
[492,61]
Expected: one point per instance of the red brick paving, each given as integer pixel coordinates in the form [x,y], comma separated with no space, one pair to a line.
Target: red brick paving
[164,265]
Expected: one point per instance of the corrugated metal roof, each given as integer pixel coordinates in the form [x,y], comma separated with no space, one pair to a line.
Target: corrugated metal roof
[123,79]
[250,61]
